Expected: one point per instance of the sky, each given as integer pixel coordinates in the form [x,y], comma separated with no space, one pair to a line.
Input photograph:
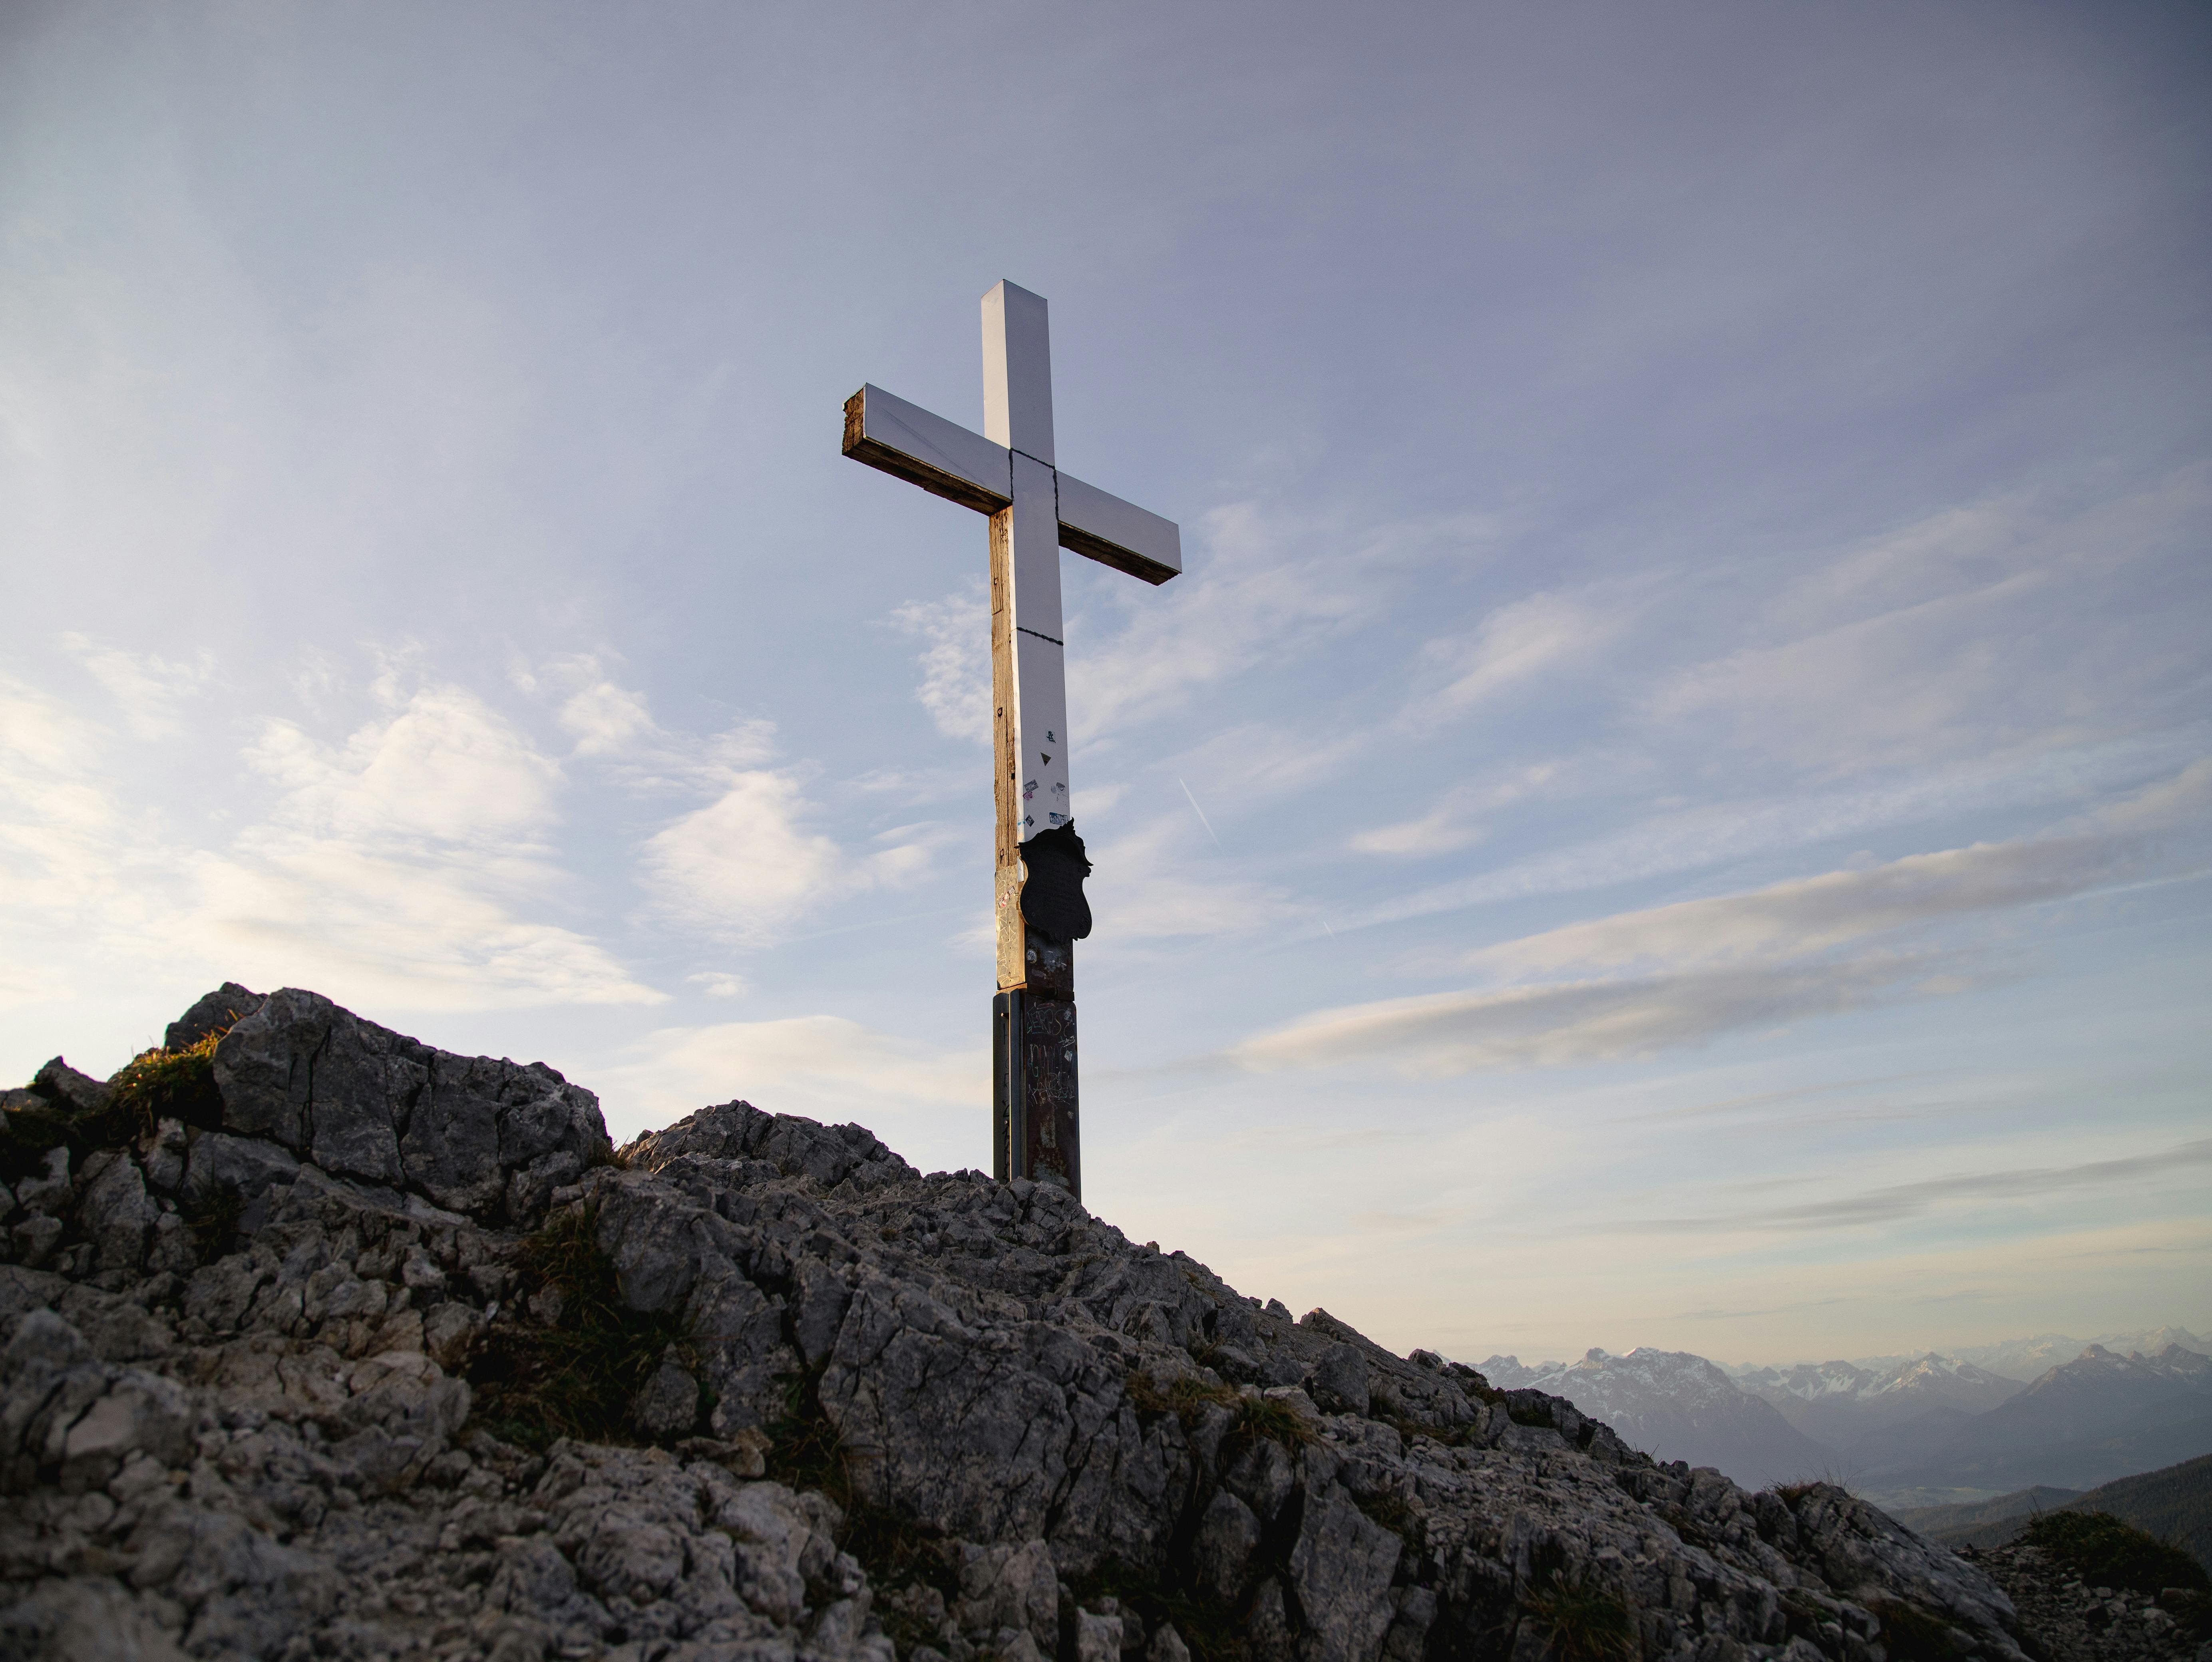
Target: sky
[1672,803]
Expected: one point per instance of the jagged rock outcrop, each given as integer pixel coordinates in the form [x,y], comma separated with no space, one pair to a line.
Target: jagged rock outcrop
[2078,1621]
[265,1391]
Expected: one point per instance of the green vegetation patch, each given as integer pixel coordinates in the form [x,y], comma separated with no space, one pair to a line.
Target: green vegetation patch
[2105,1552]
[1452,1436]
[213,1220]
[576,1376]
[157,1085]
[1251,1418]
[2173,1503]
[1186,1398]
[1582,1620]
[167,1084]
[1267,1417]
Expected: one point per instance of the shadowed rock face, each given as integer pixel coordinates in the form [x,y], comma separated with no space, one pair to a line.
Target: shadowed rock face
[490,1139]
[252,1439]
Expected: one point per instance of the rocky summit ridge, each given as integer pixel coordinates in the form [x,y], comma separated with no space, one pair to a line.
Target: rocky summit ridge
[318,1342]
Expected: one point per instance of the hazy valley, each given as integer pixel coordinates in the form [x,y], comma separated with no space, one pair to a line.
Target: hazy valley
[1909,1431]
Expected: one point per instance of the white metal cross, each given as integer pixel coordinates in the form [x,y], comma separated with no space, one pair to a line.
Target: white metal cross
[1010,471]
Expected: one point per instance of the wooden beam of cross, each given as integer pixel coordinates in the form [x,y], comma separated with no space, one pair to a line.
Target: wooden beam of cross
[1009,472]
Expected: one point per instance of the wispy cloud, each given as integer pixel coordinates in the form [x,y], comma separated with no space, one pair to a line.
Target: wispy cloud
[1690,839]
[442,767]
[149,689]
[748,863]
[1148,886]
[615,730]
[1812,914]
[1456,820]
[1583,1022]
[1902,1200]
[955,661]
[60,829]
[747,866]
[1516,643]
[408,864]
[1265,588]
[1684,973]
[405,863]
[1943,638]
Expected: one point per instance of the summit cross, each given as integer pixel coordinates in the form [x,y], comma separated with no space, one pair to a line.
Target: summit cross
[1009,471]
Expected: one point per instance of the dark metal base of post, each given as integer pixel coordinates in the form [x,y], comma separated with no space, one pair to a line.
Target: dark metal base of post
[1035,1128]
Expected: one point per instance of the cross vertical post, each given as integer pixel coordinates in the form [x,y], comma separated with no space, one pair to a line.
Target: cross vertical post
[1010,472]
[1036,1127]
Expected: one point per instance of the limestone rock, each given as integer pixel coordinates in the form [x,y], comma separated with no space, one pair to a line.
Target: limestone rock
[488,1139]
[1228,1535]
[117,1215]
[212,1012]
[1011,1587]
[1340,1570]
[1097,1638]
[238,1369]
[92,1619]
[62,1085]
[47,1190]
[1339,1382]
[669,1405]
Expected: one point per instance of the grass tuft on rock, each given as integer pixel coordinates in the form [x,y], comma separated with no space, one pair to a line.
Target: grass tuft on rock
[1271,1418]
[1187,1399]
[576,1374]
[167,1084]
[157,1085]
[212,1221]
[1451,1436]
[804,1449]
[2105,1552]
[1582,1620]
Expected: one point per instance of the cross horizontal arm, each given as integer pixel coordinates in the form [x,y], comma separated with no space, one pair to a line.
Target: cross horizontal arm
[1104,528]
[941,457]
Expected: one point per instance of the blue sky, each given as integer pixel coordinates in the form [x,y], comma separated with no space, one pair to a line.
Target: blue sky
[1669,806]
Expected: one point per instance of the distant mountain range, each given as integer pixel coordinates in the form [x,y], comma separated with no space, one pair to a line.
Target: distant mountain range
[1678,1407]
[1914,1429]
[2098,1417]
[2032,1357]
[1858,1412]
